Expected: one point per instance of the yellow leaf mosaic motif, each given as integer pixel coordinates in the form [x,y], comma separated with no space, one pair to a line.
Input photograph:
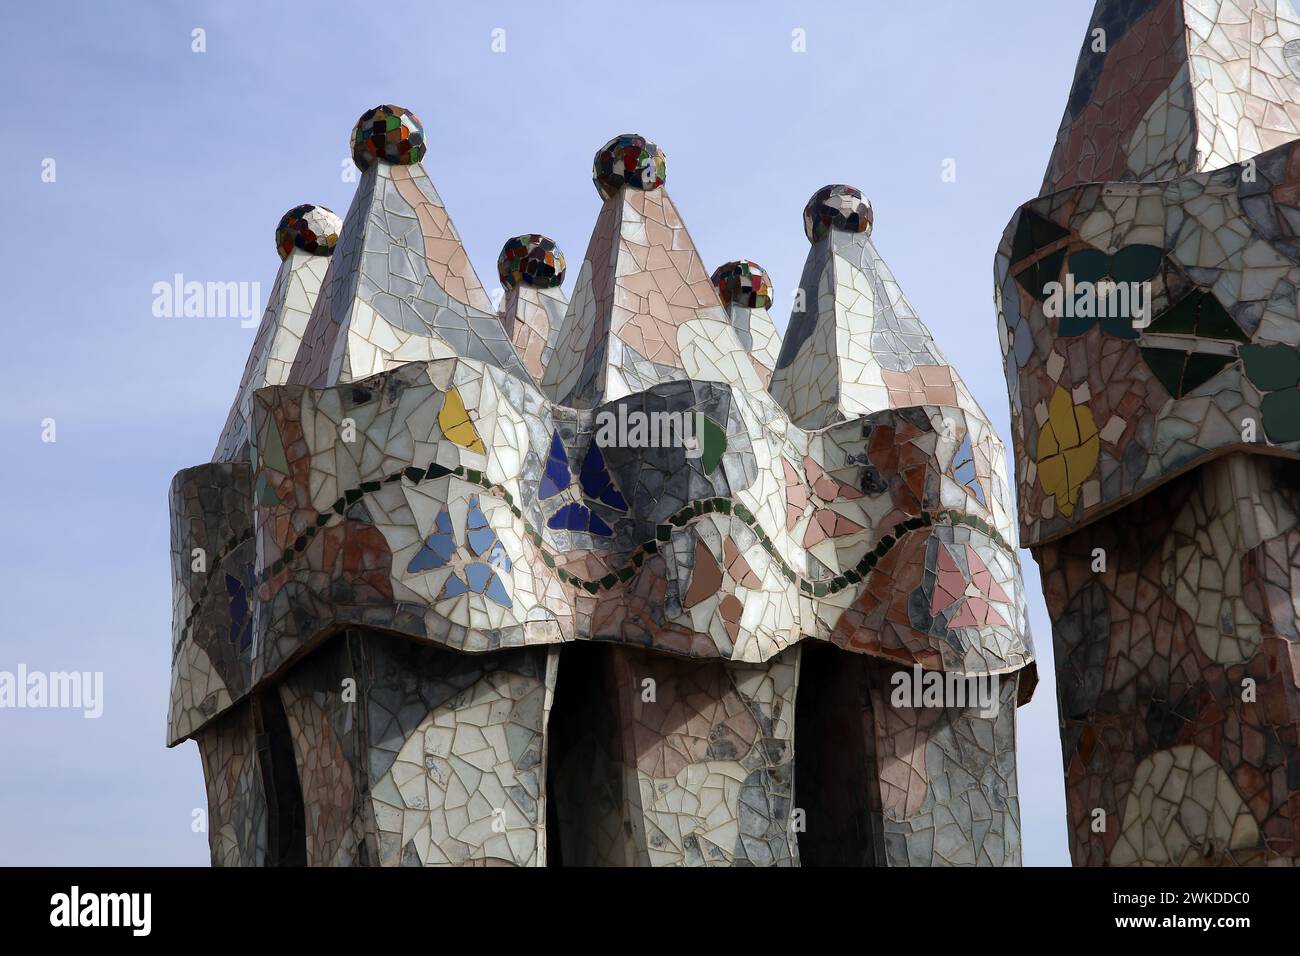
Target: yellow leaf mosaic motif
[1068,447]
[455,424]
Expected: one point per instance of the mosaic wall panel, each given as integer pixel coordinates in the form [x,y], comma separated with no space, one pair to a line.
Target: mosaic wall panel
[404,755]
[236,801]
[695,768]
[887,786]
[644,465]
[1155,656]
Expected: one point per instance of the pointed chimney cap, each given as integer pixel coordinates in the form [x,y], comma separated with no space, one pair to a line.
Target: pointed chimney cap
[389,133]
[531,259]
[837,207]
[628,160]
[743,283]
[313,229]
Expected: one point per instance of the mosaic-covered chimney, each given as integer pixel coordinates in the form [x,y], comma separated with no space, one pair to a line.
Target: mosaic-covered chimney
[1147,309]
[561,581]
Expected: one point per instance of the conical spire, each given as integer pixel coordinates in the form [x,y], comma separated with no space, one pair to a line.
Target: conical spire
[641,290]
[1165,88]
[305,238]
[531,269]
[746,294]
[400,288]
[854,344]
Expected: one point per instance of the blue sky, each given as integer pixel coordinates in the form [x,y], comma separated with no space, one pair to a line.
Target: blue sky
[170,161]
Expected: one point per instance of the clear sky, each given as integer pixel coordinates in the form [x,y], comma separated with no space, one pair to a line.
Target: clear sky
[169,161]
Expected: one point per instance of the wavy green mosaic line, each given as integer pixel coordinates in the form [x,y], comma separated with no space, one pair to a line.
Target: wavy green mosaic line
[663,533]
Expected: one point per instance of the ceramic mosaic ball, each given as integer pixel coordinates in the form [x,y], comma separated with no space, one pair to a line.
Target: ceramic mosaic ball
[836,207]
[313,229]
[389,133]
[743,283]
[628,160]
[532,260]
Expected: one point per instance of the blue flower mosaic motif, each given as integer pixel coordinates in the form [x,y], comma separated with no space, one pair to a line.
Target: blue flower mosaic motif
[596,485]
[480,576]
[596,482]
[438,547]
[576,517]
[556,477]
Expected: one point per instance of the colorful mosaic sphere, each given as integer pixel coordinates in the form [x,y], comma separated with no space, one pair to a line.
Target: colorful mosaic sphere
[390,133]
[836,207]
[743,283]
[533,260]
[313,229]
[628,160]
